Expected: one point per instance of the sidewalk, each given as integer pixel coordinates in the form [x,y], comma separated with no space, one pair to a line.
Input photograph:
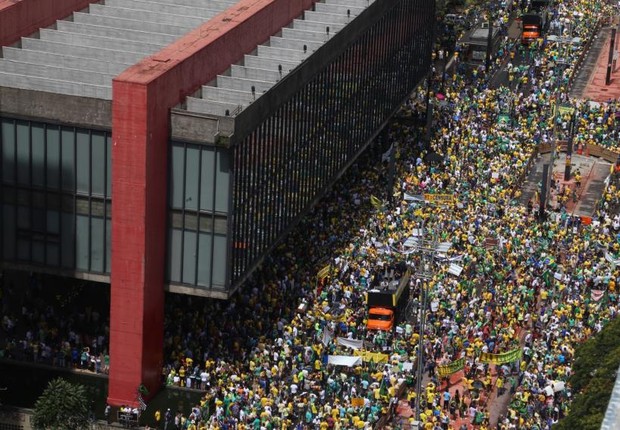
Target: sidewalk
[592,84]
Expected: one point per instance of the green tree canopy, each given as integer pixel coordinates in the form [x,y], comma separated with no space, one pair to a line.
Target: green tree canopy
[593,378]
[62,406]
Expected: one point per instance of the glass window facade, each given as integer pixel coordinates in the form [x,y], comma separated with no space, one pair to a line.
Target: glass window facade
[282,165]
[199,183]
[55,195]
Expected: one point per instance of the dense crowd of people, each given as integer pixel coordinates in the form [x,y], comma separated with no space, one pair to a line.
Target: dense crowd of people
[535,285]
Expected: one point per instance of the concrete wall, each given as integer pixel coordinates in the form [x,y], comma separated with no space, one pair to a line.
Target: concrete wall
[22,17]
[79,111]
[142,98]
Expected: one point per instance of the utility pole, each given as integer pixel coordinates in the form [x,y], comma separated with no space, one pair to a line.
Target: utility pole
[569,148]
[429,250]
[612,43]
[489,40]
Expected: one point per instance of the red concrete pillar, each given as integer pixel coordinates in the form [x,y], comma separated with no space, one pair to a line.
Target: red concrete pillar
[20,18]
[142,97]
[139,160]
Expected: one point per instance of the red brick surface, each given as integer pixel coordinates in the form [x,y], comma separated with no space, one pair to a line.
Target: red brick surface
[20,18]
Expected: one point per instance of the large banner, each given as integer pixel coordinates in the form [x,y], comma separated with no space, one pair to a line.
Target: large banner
[442,199]
[451,368]
[376,357]
[351,343]
[503,358]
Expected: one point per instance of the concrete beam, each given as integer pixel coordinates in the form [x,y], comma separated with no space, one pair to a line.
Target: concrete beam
[55,72]
[243,72]
[129,24]
[256,62]
[80,51]
[98,30]
[55,86]
[338,9]
[219,4]
[246,85]
[117,12]
[280,53]
[319,27]
[294,44]
[205,12]
[353,3]
[228,96]
[76,39]
[311,36]
[45,58]
[79,111]
[328,18]
[212,107]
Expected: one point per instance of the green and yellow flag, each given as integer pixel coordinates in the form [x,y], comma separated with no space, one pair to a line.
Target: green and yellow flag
[376,202]
[503,358]
[449,369]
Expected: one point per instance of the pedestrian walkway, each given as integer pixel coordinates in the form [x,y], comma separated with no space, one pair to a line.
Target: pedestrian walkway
[592,170]
[590,84]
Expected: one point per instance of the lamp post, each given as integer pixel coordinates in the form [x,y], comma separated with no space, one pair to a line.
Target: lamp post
[548,168]
[429,250]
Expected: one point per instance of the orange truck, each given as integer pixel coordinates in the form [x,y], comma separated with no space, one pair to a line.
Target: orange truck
[532,27]
[387,303]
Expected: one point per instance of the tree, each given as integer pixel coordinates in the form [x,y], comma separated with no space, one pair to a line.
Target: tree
[62,406]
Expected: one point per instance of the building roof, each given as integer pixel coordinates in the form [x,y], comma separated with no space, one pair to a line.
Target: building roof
[81,54]
[242,83]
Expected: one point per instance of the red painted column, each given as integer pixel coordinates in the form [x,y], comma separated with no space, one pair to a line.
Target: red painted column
[142,98]
[20,18]
[138,243]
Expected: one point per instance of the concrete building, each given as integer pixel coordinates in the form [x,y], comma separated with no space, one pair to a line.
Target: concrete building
[168,145]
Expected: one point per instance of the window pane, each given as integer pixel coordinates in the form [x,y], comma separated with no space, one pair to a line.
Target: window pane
[206,179]
[223,169]
[68,159]
[98,163]
[53,255]
[96,244]
[53,222]
[66,241]
[38,252]
[219,260]
[108,154]
[204,259]
[176,177]
[8,152]
[174,255]
[81,242]
[23,249]
[23,218]
[191,178]
[8,231]
[83,161]
[189,257]
[23,153]
[38,155]
[53,157]
[108,245]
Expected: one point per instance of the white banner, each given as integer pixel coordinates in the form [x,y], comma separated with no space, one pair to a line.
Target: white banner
[351,343]
[344,360]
